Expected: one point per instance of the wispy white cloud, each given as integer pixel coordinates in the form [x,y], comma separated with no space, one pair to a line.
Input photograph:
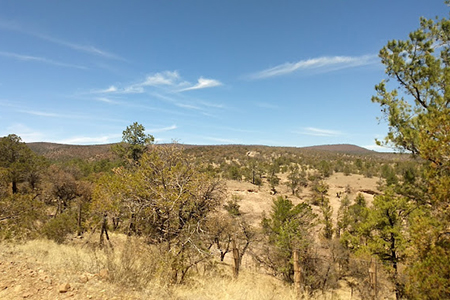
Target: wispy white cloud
[12,26]
[133,89]
[84,140]
[27,134]
[189,103]
[237,129]
[319,132]
[173,79]
[212,105]
[110,89]
[106,100]
[22,57]
[163,78]
[45,114]
[83,48]
[378,148]
[323,64]
[105,139]
[176,102]
[203,83]
[170,81]
[188,106]
[220,140]
[166,78]
[162,129]
[81,116]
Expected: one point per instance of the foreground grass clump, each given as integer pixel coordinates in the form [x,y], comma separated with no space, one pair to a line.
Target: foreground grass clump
[62,258]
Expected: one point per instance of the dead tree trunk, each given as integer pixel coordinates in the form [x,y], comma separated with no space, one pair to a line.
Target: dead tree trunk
[80,204]
[297,272]
[116,221]
[132,227]
[14,187]
[104,230]
[373,278]
[236,258]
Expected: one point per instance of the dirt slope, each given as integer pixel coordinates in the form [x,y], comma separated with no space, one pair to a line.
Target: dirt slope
[254,200]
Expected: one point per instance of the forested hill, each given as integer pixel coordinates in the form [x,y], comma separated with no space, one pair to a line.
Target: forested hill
[55,151]
[341,148]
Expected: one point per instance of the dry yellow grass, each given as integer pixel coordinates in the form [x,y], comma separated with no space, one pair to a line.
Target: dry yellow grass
[66,263]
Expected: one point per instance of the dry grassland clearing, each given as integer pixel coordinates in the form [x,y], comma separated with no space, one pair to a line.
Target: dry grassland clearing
[41,269]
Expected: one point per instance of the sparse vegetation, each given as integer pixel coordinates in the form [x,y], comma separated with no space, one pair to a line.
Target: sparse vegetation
[166,217]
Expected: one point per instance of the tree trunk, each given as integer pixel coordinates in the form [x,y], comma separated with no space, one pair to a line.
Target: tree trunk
[236,258]
[132,227]
[104,230]
[79,218]
[395,267]
[373,278]
[297,272]
[14,187]
[116,221]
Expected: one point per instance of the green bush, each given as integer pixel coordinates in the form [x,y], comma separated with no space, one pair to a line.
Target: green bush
[21,216]
[59,227]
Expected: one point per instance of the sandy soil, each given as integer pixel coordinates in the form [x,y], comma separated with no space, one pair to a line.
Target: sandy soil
[255,200]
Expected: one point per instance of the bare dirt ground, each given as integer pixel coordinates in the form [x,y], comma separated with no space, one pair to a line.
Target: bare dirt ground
[255,200]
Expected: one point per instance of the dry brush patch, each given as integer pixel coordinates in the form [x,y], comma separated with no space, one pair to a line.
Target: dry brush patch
[128,273]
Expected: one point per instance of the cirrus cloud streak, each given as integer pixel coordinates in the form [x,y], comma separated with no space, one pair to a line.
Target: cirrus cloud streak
[323,64]
[319,132]
[171,80]
[203,83]
[12,26]
[22,57]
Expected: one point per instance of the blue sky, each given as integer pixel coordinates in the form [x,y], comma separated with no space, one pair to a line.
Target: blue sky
[279,73]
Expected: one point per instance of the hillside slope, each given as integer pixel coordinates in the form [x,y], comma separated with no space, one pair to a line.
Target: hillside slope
[61,151]
[55,151]
[342,148]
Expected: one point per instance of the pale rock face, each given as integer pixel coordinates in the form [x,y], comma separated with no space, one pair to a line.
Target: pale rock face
[252,153]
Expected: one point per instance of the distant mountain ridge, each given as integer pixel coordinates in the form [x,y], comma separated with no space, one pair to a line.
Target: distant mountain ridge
[103,151]
[342,148]
[65,151]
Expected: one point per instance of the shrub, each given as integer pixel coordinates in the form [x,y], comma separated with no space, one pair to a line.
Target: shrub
[20,216]
[59,227]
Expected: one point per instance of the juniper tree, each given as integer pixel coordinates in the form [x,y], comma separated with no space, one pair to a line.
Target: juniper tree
[388,220]
[134,142]
[287,229]
[16,161]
